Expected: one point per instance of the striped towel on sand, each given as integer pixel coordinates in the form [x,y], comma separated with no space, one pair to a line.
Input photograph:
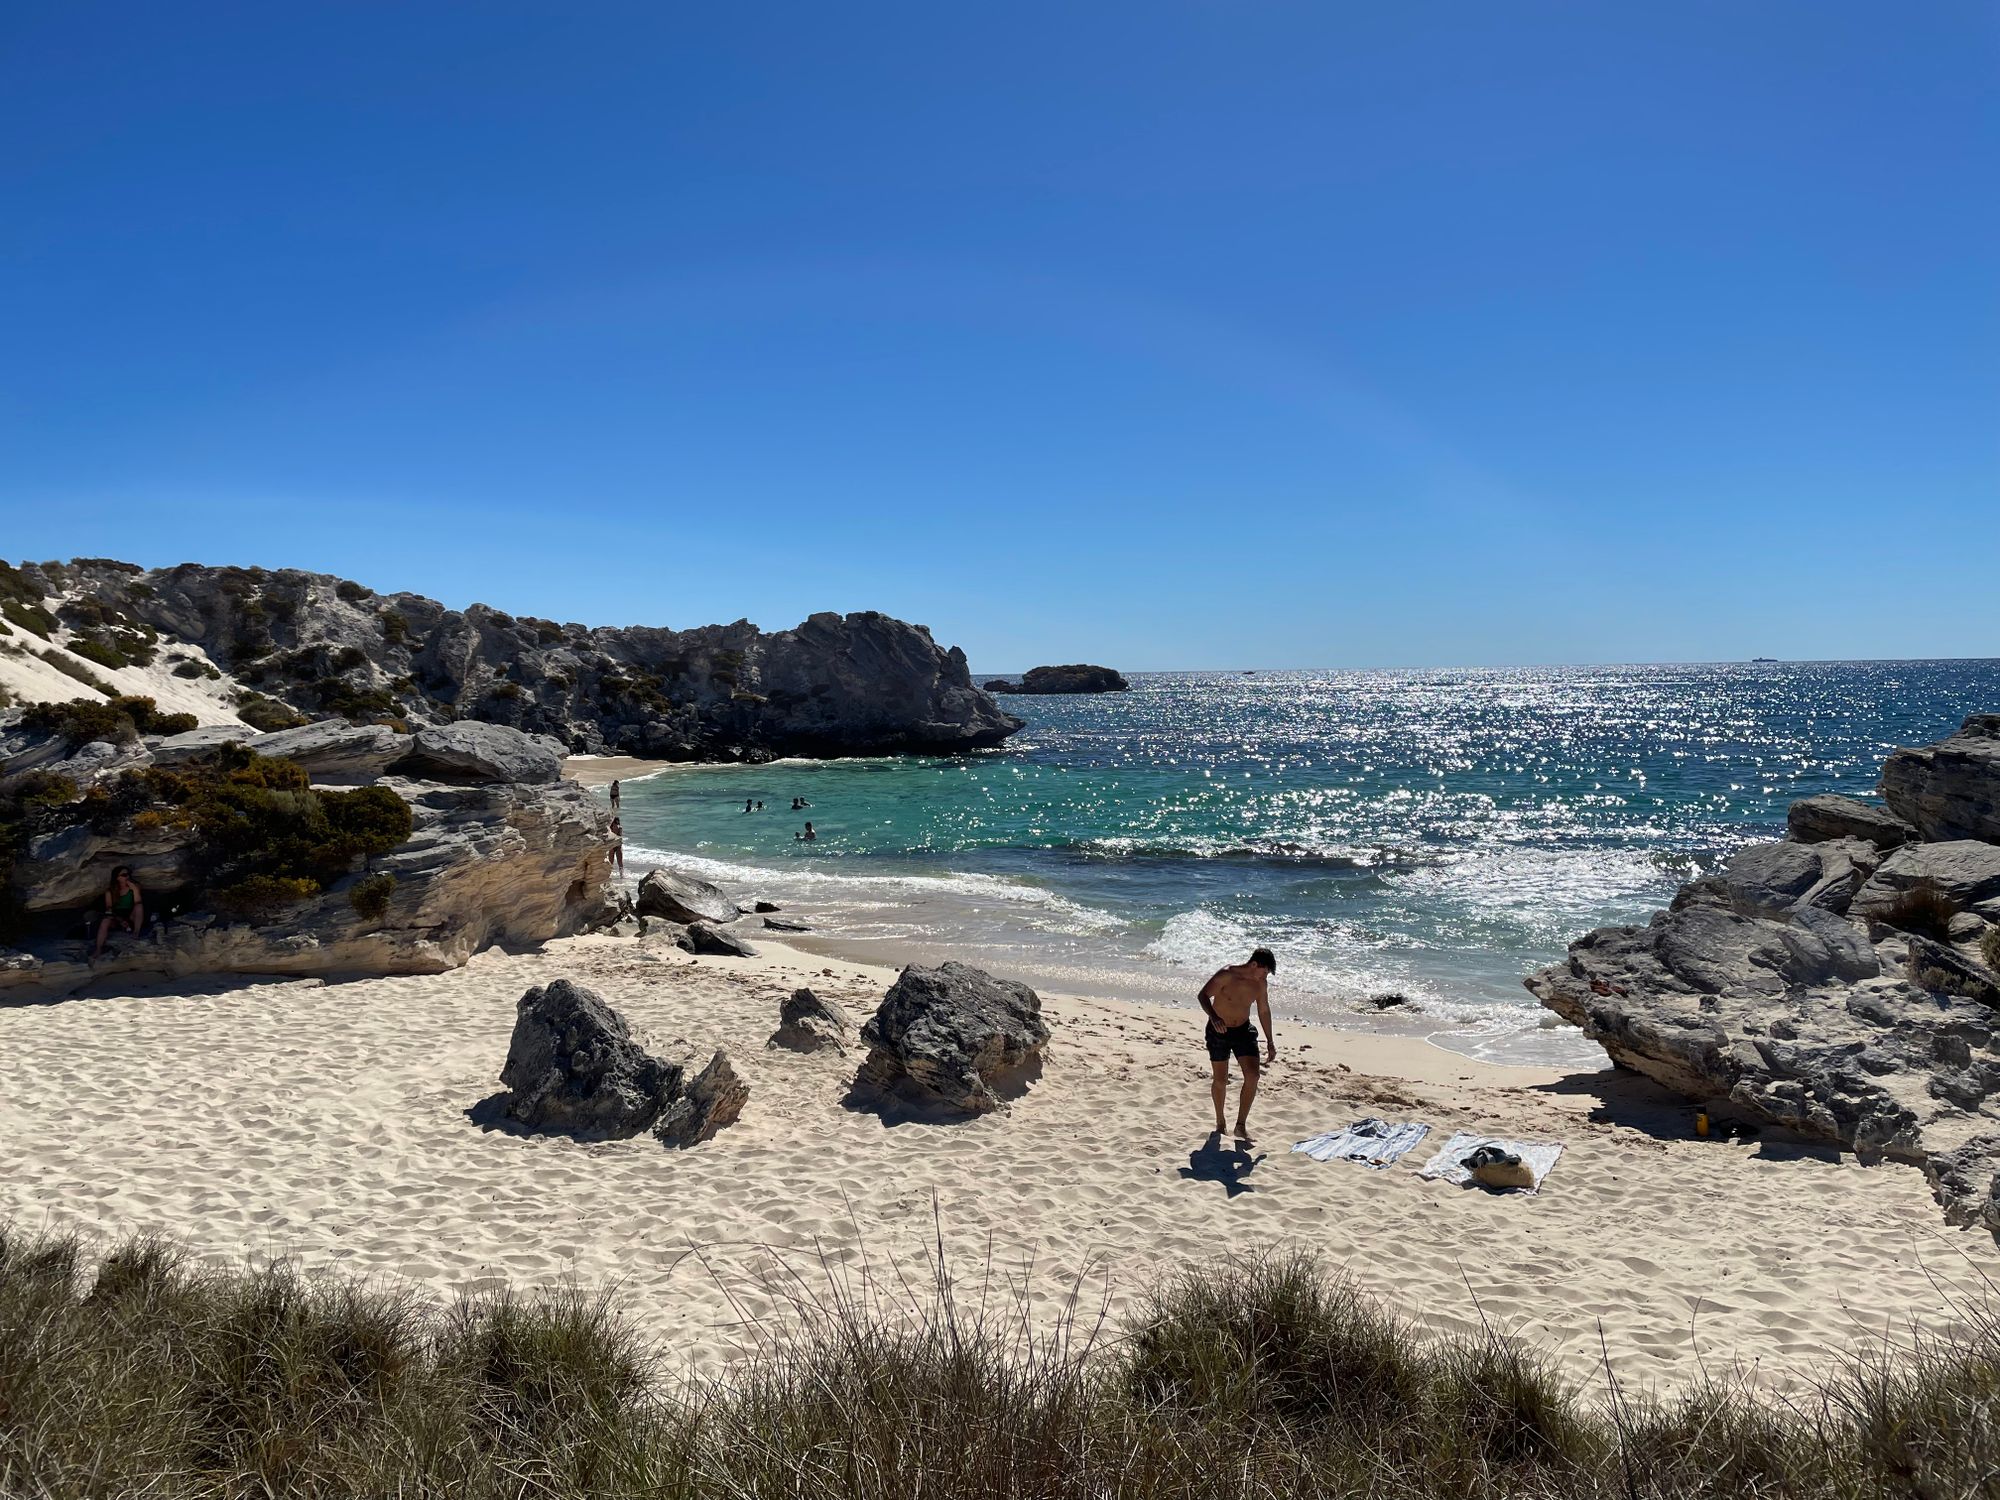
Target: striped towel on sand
[1373,1143]
[1538,1156]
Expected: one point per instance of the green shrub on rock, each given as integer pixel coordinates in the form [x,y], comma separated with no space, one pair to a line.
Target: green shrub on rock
[80,721]
[370,898]
[258,898]
[1989,948]
[268,714]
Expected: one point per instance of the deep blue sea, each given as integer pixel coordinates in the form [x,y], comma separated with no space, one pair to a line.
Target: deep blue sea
[1431,834]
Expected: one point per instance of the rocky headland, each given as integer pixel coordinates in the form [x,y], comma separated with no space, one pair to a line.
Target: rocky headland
[1074,678]
[1844,983]
[275,648]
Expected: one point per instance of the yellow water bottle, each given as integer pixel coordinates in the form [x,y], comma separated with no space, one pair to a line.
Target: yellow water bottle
[1701,1122]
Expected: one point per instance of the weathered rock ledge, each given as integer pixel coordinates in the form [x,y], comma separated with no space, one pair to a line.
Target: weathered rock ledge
[1844,983]
[500,851]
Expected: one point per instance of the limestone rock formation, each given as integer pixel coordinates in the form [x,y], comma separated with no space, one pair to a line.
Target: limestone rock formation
[1950,790]
[714,1099]
[952,1039]
[1074,678]
[682,898]
[1833,983]
[1815,819]
[336,753]
[807,1023]
[855,684]
[573,1066]
[485,862]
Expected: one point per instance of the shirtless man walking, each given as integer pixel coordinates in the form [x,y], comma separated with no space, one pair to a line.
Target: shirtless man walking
[1228,998]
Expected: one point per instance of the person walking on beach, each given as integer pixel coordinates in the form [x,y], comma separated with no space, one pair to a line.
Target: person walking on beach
[1227,999]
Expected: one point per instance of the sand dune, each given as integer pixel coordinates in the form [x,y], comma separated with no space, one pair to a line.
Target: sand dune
[338,1123]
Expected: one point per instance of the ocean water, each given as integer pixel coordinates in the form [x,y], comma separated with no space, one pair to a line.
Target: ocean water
[1434,835]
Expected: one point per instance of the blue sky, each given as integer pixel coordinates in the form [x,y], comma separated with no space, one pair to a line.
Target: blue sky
[1169,335]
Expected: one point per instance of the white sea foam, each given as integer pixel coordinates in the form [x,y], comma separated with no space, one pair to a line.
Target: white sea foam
[1044,908]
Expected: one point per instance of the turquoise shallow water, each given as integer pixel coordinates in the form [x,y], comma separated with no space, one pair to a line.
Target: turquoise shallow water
[1430,834]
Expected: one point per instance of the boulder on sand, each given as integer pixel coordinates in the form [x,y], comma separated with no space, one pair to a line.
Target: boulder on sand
[715,1099]
[807,1023]
[572,1066]
[702,938]
[953,1039]
[682,898]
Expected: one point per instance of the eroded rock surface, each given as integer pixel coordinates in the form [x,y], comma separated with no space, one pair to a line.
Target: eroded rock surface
[714,1099]
[806,1023]
[1806,984]
[485,862]
[953,1039]
[682,898]
[573,1066]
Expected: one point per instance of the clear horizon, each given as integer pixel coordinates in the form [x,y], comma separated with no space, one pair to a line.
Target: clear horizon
[1141,334]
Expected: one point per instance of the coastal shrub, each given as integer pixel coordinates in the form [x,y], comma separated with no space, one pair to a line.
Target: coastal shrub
[268,714]
[266,837]
[347,658]
[336,696]
[352,592]
[106,565]
[258,898]
[30,617]
[1923,909]
[1989,948]
[91,650]
[6,698]
[395,625]
[151,1374]
[80,721]
[505,690]
[370,897]
[71,668]
[43,789]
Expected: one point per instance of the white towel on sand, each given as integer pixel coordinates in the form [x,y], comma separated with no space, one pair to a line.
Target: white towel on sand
[1537,1156]
[1373,1143]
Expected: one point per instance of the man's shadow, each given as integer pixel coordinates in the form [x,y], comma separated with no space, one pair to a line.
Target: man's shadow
[1212,1163]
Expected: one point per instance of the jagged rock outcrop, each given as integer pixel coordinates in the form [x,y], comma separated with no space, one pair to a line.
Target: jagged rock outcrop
[1836,983]
[855,684]
[1074,678]
[1950,790]
[714,1099]
[954,1040]
[573,1066]
[807,1023]
[683,898]
[1813,820]
[484,862]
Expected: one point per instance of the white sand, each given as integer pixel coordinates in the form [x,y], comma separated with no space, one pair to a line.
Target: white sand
[330,1122]
[602,770]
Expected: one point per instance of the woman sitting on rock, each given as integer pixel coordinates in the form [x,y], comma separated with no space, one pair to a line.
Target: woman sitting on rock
[124,907]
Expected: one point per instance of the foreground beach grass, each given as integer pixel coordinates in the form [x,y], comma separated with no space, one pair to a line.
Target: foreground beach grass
[146,1375]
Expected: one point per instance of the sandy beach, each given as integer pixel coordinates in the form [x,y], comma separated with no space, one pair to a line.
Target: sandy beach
[341,1123]
[602,770]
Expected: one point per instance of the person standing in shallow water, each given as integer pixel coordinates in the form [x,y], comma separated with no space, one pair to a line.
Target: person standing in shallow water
[618,845]
[614,796]
[1227,999]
